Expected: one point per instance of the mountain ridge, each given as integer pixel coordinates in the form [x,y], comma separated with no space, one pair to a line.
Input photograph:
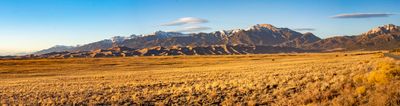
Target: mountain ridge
[381,38]
[122,51]
[260,34]
[256,35]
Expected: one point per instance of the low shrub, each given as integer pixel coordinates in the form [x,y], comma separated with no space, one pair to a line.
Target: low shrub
[361,90]
[384,72]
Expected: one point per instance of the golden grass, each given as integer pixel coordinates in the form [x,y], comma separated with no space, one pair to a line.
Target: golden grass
[279,79]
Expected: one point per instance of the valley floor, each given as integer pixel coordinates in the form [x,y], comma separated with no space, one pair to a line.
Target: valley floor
[276,79]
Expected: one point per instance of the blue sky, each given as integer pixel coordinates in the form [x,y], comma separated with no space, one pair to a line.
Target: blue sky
[28,25]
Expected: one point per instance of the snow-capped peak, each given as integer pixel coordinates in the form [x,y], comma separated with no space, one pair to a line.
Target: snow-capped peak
[384,29]
[264,27]
[118,39]
[165,34]
[223,32]
[237,30]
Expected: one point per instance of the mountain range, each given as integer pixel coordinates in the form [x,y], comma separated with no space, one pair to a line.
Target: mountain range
[380,38]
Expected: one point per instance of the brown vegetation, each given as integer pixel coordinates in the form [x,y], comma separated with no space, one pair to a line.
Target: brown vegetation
[289,79]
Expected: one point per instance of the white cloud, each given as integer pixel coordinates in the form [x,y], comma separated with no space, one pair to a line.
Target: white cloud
[192,29]
[362,15]
[304,29]
[185,20]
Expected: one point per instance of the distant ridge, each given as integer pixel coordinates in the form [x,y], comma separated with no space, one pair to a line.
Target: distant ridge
[56,48]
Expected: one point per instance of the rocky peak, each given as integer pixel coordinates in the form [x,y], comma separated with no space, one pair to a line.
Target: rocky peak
[118,39]
[159,33]
[263,27]
[163,34]
[390,26]
[383,29]
[311,37]
[166,33]
[224,32]
[237,30]
[309,34]
[135,36]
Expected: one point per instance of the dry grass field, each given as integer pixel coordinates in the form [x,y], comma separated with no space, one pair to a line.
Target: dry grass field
[277,79]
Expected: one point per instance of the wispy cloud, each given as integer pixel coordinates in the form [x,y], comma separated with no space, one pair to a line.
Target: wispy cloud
[304,29]
[192,29]
[185,20]
[362,15]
